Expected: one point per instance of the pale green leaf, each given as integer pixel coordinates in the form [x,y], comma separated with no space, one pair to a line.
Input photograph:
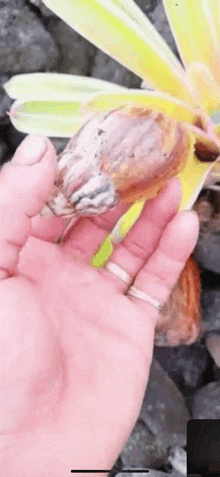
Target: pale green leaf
[119,232]
[55,85]
[64,117]
[51,118]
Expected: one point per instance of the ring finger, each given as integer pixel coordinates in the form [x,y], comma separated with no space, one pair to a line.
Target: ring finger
[159,275]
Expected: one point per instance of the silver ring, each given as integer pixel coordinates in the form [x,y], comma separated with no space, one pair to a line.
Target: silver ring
[119,272]
[135,292]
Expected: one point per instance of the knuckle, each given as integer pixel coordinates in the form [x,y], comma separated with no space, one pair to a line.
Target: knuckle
[135,248]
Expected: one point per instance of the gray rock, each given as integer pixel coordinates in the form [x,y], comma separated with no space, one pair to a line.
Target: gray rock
[17,3]
[205,404]
[76,52]
[141,449]
[186,365]
[59,143]
[161,424]
[45,11]
[5,102]
[210,301]
[110,70]
[147,6]
[216,372]
[3,151]
[163,409]
[178,459]
[212,342]
[207,251]
[25,45]
[14,137]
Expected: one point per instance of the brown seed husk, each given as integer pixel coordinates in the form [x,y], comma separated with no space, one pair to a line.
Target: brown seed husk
[150,149]
[134,149]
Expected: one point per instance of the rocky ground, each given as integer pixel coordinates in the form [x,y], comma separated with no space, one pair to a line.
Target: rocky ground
[185,380]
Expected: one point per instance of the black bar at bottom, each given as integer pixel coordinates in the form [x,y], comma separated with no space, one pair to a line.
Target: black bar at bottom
[99,471]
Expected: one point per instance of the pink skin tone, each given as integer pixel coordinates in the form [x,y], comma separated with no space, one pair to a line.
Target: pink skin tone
[75,350]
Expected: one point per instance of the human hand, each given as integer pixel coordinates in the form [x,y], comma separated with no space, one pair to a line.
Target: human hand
[75,350]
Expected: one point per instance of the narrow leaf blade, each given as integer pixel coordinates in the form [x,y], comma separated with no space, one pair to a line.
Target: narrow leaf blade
[64,115]
[51,118]
[121,229]
[193,179]
[57,85]
[205,86]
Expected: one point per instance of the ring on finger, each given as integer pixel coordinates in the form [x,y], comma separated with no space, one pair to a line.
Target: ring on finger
[133,291]
[136,293]
[119,272]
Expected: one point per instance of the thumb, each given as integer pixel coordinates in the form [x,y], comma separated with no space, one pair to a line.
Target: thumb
[25,183]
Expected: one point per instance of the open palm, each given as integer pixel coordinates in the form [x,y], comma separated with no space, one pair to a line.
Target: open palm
[76,351]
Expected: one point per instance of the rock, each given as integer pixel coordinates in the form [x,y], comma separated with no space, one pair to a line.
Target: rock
[25,45]
[141,449]
[3,151]
[17,3]
[110,70]
[186,365]
[76,52]
[147,6]
[178,459]
[45,11]
[205,403]
[5,102]
[210,280]
[210,302]
[212,342]
[207,251]
[163,409]
[14,137]
[59,143]
[216,372]
[162,422]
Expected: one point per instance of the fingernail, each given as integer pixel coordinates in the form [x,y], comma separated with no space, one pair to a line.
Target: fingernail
[31,150]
